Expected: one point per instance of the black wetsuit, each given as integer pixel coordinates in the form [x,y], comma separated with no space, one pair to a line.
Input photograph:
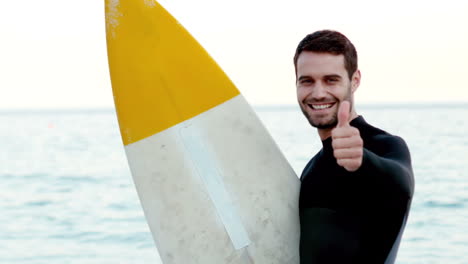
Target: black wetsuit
[356,217]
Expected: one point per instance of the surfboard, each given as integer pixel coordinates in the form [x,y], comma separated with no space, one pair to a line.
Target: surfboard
[213,185]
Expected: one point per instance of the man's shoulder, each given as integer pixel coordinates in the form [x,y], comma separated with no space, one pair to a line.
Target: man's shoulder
[375,137]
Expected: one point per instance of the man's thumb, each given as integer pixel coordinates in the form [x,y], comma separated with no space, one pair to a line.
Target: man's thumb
[343,114]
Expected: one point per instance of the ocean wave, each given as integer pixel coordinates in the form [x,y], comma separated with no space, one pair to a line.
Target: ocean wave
[443,204]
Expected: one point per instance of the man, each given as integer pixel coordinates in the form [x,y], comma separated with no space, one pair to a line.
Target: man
[356,191]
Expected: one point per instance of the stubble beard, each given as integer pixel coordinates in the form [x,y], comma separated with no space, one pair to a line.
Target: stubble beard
[327,125]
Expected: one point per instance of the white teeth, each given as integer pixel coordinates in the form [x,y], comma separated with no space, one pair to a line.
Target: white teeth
[322,106]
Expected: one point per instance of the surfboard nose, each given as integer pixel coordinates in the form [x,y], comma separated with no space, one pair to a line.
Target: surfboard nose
[160,74]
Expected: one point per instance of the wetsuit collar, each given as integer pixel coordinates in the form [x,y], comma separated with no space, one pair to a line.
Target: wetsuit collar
[358,122]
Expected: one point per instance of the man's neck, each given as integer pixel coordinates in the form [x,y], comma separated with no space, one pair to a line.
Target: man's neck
[324,133]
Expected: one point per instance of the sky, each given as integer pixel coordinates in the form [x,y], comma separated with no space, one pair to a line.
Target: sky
[53,52]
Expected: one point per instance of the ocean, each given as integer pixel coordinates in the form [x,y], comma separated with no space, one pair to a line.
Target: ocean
[67,196]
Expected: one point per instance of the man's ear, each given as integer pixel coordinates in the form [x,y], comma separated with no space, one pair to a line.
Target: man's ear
[355,80]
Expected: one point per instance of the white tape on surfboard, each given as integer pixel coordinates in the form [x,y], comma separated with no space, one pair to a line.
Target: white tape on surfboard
[207,168]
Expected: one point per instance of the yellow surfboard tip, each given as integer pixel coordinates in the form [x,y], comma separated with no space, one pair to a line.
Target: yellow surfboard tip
[160,74]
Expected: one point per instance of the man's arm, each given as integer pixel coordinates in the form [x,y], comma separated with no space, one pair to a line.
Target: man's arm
[391,168]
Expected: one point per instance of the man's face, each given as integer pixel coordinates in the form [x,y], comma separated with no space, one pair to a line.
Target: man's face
[322,83]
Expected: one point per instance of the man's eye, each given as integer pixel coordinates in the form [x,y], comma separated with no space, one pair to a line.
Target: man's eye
[332,80]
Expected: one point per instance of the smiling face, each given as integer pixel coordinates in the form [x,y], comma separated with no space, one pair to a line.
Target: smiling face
[322,84]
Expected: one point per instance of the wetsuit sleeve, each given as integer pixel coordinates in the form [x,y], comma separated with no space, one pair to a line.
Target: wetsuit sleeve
[389,166]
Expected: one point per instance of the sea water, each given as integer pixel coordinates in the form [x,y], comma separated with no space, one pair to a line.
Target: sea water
[67,196]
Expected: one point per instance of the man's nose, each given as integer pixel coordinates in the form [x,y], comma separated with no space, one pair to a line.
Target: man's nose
[319,91]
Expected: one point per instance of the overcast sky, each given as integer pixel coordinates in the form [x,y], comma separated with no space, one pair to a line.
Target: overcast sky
[53,52]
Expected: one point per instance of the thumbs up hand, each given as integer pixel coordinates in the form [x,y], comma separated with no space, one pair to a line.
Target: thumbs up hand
[346,141]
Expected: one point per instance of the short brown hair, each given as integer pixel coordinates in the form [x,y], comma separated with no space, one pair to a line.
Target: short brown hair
[329,41]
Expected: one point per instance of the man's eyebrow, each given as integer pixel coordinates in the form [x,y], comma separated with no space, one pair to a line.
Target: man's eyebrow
[333,76]
[302,77]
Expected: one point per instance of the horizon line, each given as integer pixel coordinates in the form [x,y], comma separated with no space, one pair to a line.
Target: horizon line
[409,104]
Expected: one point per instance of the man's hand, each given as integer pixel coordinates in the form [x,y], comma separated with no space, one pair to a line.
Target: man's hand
[346,141]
